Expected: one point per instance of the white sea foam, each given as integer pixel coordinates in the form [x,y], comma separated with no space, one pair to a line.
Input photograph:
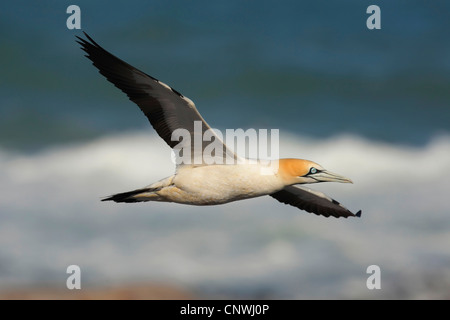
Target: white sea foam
[51,217]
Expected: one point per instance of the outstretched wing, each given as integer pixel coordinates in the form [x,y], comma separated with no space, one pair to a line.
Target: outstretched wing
[165,108]
[313,201]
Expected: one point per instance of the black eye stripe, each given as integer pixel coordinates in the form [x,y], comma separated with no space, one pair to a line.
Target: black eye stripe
[312,170]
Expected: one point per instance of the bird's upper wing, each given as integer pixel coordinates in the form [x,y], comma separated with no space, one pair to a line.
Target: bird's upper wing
[165,108]
[313,201]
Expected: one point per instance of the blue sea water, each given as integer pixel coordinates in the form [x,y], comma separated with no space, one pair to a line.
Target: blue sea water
[373,105]
[315,62]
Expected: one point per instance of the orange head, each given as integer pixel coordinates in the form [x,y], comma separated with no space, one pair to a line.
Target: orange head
[299,171]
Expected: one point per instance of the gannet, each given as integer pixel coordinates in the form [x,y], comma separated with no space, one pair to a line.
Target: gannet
[209,184]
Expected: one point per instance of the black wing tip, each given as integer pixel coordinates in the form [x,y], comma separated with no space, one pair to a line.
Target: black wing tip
[336,215]
[88,37]
[357,215]
[88,43]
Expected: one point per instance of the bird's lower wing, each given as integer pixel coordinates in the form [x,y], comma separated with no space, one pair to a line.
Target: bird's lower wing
[313,201]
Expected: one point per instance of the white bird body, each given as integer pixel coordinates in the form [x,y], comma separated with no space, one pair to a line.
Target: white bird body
[199,182]
[216,184]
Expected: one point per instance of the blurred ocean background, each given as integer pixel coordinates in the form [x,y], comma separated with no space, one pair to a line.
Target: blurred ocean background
[373,105]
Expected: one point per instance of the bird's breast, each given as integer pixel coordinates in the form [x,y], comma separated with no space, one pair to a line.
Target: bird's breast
[224,183]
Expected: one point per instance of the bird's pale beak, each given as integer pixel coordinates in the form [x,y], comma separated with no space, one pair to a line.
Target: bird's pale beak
[327,176]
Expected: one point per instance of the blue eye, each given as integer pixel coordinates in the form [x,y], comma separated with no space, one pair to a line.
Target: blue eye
[313,170]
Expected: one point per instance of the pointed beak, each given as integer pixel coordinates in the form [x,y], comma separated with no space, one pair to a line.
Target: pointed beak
[327,176]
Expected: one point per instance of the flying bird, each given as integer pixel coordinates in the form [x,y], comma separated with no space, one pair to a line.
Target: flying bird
[200,183]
